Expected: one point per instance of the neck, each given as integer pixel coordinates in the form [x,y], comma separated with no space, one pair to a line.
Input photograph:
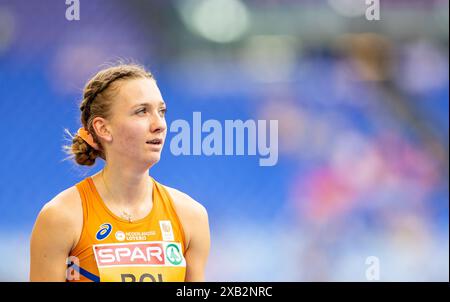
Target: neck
[127,187]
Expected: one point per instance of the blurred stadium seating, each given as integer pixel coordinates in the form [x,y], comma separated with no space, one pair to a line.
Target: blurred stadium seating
[363,110]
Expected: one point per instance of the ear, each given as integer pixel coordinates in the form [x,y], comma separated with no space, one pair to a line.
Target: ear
[101,128]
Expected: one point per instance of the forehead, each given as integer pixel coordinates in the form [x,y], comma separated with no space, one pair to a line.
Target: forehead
[137,91]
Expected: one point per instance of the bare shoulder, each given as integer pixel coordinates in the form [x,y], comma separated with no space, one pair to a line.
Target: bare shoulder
[64,204]
[63,212]
[186,204]
[54,234]
[193,215]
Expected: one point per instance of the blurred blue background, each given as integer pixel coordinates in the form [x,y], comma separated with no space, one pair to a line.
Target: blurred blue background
[363,111]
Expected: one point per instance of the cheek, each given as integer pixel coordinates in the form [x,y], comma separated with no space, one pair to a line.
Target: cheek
[129,135]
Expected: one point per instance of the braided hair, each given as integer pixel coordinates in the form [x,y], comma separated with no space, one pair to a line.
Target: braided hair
[96,102]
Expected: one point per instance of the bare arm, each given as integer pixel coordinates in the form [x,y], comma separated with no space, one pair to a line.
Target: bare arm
[198,249]
[194,219]
[51,242]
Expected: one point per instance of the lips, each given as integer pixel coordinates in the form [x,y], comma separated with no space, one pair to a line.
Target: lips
[155,141]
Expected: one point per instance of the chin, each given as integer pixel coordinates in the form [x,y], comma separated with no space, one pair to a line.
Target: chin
[152,160]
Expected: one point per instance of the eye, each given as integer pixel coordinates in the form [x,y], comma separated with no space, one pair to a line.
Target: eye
[163,111]
[142,110]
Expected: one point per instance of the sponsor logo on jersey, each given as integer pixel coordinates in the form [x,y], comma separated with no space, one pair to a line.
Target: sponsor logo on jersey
[120,235]
[134,236]
[153,253]
[174,254]
[166,230]
[104,231]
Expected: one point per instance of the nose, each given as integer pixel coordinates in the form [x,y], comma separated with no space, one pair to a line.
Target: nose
[157,123]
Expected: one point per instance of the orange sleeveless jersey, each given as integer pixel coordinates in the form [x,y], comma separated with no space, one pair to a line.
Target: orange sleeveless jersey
[113,249]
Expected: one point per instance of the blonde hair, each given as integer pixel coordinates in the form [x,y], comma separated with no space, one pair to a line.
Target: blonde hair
[96,102]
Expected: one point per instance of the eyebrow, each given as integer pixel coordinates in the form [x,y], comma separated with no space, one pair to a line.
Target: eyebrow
[149,105]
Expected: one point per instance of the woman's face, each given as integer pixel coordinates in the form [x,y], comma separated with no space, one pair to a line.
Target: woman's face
[137,123]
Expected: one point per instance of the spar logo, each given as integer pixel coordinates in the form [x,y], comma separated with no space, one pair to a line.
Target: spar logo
[173,254]
[103,232]
[150,253]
